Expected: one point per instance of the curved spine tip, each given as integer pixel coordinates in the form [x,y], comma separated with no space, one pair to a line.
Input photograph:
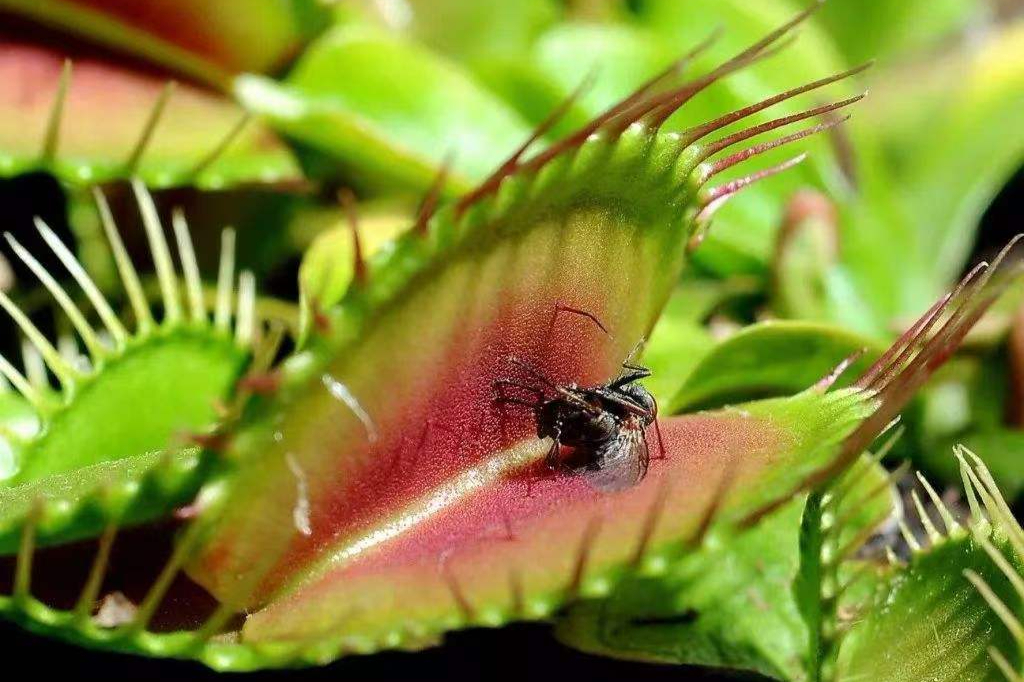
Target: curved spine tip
[245,322]
[695,133]
[433,197]
[827,381]
[51,140]
[722,143]
[714,197]
[131,164]
[218,150]
[359,271]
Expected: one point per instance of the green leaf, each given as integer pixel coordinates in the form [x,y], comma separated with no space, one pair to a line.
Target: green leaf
[725,606]
[806,251]
[936,618]
[202,41]
[837,521]
[771,358]
[83,501]
[388,108]
[965,149]
[95,122]
[472,31]
[513,249]
[399,501]
[884,29]
[192,367]
[328,265]
[171,375]
[931,622]
[566,233]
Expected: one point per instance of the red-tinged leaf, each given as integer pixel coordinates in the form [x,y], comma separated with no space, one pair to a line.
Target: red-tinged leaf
[490,546]
[91,122]
[204,40]
[416,357]
[480,543]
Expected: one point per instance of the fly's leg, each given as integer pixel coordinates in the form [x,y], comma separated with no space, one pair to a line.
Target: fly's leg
[499,396]
[554,457]
[552,464]
[661,442]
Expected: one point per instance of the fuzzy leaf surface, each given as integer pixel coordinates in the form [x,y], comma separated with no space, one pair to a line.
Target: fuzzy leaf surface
[931,623]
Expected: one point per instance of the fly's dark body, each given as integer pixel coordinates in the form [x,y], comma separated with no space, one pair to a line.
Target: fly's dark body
[604,426]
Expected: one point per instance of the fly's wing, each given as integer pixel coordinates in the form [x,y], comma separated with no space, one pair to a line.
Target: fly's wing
[621,463]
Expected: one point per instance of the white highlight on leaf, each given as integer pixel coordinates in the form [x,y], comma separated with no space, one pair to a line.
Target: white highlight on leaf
[115,609]
[340,391]
[397,14]
[8,463]
[300,513]
[459,487]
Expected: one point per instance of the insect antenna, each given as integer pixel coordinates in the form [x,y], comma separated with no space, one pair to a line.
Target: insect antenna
[559,308]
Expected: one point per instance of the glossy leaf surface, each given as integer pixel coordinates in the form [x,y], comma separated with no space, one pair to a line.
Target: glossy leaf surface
[771,358]
[388,107]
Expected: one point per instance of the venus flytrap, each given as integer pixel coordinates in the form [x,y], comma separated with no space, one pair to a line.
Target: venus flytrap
[86,461]
[370,492]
